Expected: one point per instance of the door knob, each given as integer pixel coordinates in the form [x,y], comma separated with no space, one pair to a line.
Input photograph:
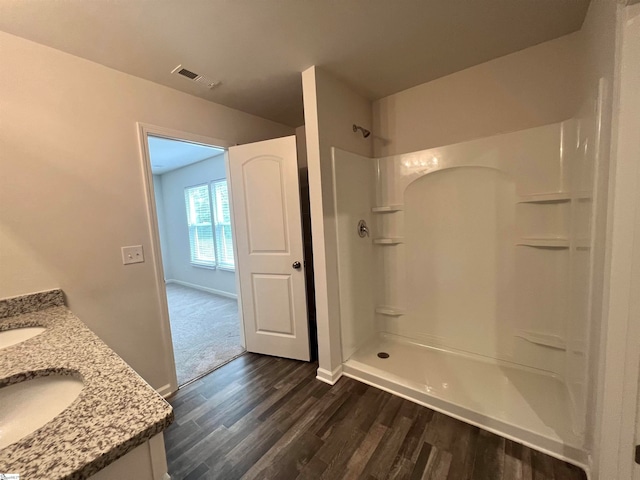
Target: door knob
[297,265]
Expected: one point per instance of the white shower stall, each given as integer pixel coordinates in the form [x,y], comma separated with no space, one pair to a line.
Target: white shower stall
[470,294]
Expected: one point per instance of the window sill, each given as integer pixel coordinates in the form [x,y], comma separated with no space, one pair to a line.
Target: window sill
[213,267]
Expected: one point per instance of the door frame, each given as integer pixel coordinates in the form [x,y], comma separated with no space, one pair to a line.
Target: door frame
[145,129]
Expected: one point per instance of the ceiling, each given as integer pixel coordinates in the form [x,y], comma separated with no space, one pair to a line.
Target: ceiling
[257,48]
[167,154]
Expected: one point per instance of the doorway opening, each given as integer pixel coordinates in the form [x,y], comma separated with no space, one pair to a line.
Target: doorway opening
[192,204]
[240,227]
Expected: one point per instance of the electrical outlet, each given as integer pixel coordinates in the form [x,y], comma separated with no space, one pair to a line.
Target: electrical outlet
[132,254]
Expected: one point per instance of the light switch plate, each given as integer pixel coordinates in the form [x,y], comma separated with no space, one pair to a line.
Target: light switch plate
[132,254]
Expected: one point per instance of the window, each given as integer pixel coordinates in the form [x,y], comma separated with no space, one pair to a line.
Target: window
[209,221]
[200,225]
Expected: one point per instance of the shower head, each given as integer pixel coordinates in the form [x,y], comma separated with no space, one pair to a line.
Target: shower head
[365,132]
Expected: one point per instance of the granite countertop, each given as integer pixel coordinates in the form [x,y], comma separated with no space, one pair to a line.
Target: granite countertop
[115,412]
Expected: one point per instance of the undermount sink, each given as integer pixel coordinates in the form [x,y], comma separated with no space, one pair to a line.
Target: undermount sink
[31,404]
[17,335]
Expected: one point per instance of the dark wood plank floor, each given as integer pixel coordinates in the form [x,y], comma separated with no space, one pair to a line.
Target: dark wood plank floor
[261,417]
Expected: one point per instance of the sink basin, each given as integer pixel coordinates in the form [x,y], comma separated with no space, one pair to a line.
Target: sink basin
[29,405]
[17,335]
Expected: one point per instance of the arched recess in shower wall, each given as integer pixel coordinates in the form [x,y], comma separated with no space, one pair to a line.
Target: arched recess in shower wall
[457,261]
[472,281]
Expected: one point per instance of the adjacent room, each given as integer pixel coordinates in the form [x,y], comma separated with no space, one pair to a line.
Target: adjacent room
[194,226]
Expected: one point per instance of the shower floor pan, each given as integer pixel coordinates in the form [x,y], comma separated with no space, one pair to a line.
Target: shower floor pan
[523,404]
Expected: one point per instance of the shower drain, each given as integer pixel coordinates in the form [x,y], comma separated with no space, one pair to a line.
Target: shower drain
[383,355]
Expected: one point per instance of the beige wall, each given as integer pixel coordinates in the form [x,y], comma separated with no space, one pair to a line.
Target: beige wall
[72,191]
[331,108]
[529,88]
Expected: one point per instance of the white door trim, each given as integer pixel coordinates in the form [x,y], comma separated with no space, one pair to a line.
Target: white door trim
[145,129]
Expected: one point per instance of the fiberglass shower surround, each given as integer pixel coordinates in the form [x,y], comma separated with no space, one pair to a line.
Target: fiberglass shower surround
[474,279]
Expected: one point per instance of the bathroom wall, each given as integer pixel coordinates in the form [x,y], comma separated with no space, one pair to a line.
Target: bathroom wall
[72,189]
[330,108]
[176,247]
[535,86]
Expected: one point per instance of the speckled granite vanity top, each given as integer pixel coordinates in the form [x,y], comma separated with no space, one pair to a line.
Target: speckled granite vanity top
[115,412]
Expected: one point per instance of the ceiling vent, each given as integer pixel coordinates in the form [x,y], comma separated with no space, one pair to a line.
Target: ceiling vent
[195,77]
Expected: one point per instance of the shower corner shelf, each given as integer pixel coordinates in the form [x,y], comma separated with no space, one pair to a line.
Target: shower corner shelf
[387,208]
[388,240]
[544,339]
[554,197]
[544,242]
[547,197]
[389,311]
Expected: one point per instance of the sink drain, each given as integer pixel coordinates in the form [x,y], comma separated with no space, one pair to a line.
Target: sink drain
[383,355]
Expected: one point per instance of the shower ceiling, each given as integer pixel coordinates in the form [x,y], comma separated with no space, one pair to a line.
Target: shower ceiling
[258,48]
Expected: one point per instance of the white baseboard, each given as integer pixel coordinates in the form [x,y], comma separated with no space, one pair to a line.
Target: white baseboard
[222,293]
[329,377]
[166,390]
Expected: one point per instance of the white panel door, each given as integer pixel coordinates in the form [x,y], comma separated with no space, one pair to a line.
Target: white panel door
[266,213]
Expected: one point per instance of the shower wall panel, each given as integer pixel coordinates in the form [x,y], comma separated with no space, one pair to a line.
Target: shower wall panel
[459,248]
[582,165]
[354,192]
[472,271]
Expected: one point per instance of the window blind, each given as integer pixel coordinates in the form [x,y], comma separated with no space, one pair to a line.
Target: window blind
[201,238]
[222,218]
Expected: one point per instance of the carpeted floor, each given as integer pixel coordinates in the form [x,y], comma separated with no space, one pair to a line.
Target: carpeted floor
[205,329]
